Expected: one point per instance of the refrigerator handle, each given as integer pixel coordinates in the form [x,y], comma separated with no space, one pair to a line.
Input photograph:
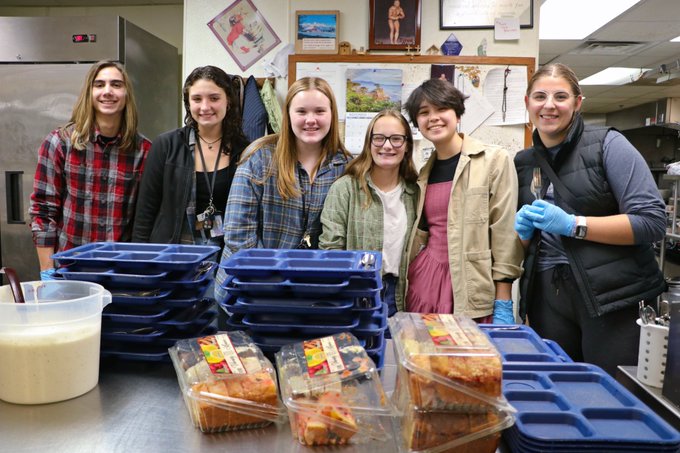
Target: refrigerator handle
[14,192]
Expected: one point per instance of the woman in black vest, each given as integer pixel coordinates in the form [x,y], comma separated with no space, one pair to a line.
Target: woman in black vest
[587,224]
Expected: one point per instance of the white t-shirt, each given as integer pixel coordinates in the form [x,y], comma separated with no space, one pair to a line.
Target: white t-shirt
[394,228]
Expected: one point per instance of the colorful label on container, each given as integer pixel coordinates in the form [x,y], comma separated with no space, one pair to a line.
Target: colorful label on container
[322,356]
[221,355]
[445,330]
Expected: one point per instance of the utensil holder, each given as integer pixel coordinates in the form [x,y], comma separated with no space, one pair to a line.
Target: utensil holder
[652,354]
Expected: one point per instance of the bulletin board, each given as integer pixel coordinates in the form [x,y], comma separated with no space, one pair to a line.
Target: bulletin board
[509,74]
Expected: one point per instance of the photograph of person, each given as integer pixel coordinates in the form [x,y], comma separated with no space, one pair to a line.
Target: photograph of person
[394,24]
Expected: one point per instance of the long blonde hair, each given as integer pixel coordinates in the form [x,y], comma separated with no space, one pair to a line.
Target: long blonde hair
[83,115]
[361,166]
[285,154]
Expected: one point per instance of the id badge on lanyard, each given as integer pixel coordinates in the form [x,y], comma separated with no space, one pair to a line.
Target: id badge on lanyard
[209,222]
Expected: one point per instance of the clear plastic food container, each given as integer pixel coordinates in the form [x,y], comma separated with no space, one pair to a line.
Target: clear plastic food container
[448,384]
[226,382]
[333,392]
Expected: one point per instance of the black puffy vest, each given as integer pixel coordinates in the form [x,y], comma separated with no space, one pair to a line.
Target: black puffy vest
[609,277]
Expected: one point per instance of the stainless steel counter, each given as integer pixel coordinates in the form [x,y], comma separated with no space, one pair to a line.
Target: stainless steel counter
[137,407]
[651,396]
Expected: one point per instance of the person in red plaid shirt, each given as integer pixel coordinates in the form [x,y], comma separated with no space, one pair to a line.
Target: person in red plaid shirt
[88,173]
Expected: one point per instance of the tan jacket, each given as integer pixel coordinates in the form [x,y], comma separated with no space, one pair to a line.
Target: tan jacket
[482,242]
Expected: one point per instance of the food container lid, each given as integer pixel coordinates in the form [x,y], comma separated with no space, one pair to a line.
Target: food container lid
[448,349]
[227,371]
[336,363]
[332,382]
[448,379]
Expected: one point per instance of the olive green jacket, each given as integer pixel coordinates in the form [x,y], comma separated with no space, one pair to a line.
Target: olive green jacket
[349,225]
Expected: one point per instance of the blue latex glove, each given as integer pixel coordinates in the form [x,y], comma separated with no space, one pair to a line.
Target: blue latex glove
[48,274]
[502,312]
[523,224]
[553,220]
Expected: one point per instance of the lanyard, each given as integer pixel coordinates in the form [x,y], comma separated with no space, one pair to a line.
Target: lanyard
[211,184]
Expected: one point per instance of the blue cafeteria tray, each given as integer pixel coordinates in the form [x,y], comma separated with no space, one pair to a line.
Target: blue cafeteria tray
[578,404]
[272,343]
[372,323]
[130,255]
[200,321]
[140,297]
[145,334]
[171,338]
[520,343]
[199,276]
[145,353]
[302,263]
[300,287]
[285,323]
[141,278]
[156,315]
[299,306]
[154,335]
[134,315]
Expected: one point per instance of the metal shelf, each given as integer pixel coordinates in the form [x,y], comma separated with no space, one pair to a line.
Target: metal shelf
[675,230]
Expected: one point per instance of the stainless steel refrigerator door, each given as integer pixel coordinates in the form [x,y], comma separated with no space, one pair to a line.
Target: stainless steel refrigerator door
[34,99]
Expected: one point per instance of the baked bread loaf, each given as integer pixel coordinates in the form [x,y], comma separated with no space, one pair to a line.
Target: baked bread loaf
[227,383]
[448,384]
[424,430]
[217,402]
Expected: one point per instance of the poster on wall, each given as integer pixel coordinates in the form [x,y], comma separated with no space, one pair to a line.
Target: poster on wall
[244,32]
[369,91]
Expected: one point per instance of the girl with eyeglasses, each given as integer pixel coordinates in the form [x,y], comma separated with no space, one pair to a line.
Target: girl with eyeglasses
[464,252]
[588,232]
[372,207]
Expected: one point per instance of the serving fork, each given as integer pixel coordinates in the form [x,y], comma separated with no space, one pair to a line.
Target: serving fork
[536,183]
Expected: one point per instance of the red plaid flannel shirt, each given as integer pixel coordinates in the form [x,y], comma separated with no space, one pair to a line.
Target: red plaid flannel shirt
[83,196]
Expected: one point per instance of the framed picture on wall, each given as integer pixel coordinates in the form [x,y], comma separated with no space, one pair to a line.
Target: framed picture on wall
[316,32]
[394,24]
[244,32]
[483,13]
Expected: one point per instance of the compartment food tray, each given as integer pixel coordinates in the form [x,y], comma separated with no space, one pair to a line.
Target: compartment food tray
[577,405]
[520,343]
[152,335]
[319,306]
[358,323]
[301,287]
[130,255]
[139,297]
[154,315]
[302,263]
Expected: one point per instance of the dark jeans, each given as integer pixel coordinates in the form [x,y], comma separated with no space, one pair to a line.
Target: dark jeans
[557,312]
[389,293]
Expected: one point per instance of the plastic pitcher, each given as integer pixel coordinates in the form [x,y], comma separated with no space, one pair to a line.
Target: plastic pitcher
[49,346]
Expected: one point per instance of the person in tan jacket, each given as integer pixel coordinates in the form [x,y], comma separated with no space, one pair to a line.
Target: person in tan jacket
[464,254]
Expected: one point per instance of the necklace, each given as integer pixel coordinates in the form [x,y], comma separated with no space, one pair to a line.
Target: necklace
[210,144]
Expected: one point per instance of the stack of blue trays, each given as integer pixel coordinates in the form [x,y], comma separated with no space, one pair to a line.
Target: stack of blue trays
[564,406]
[286,296]
[158,293]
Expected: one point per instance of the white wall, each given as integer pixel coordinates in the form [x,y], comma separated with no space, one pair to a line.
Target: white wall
[201,47]
[163,21]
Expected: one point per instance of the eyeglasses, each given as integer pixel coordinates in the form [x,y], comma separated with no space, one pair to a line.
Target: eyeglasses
[396,140]
[541,97]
